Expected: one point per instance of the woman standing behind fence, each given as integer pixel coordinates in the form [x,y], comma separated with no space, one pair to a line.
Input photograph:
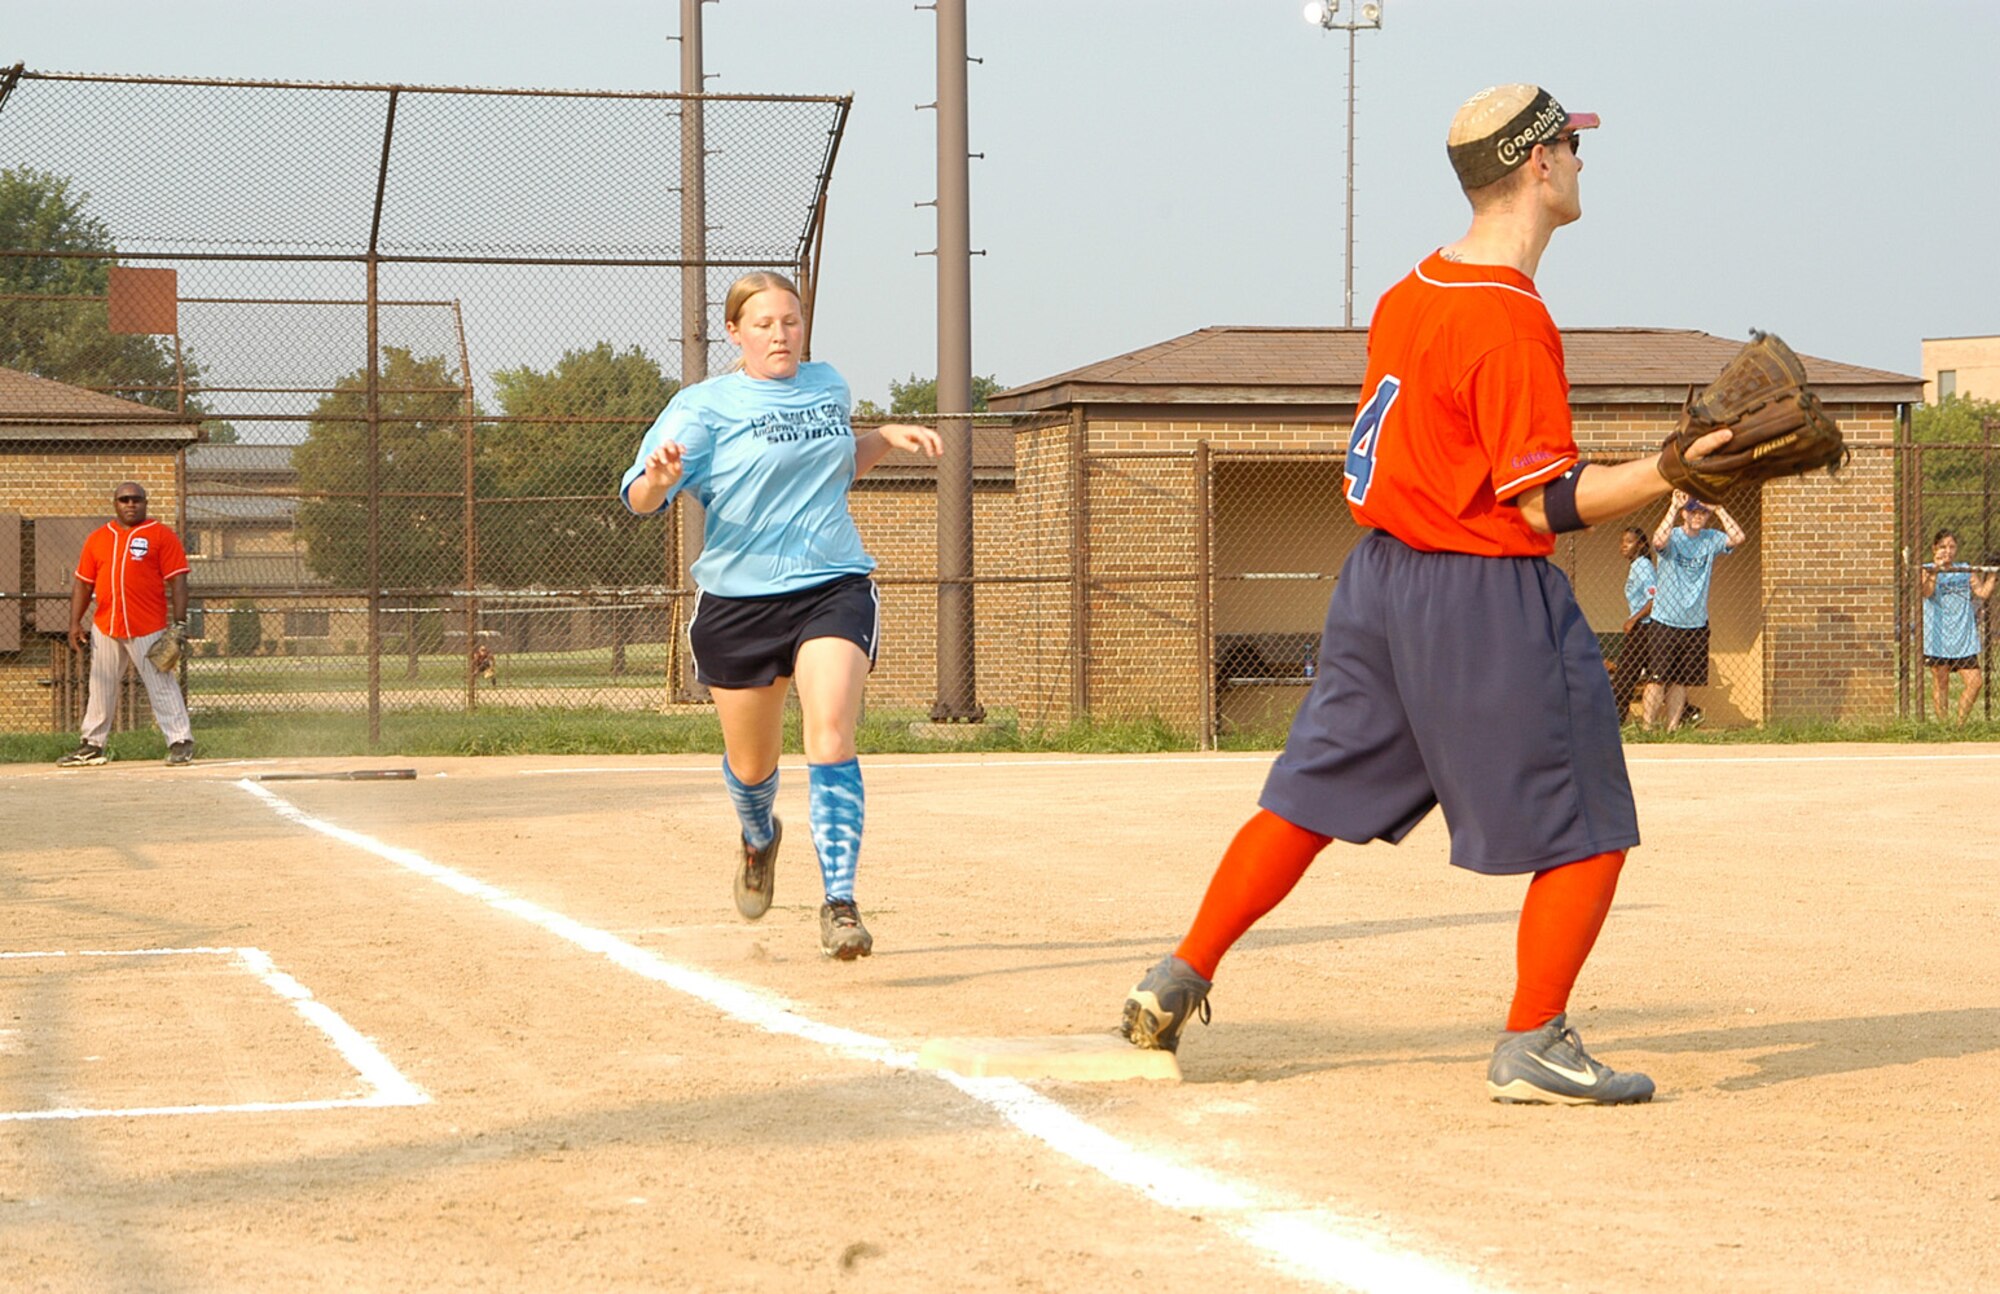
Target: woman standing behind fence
[1639,589]
[785,593]
[1951,629]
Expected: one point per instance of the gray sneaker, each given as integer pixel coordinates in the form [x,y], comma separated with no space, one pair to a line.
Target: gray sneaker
[841,934]
[180,753]
[753,877]
[1160,1007]
[84,756]
[1549,1066]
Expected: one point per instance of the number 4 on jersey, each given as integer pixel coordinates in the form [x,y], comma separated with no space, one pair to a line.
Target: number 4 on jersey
[1360,467]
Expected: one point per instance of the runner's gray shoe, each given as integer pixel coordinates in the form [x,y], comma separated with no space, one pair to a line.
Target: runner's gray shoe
[1549,1066]
[84,756]
[754,876]
[180,753]
[841,934]
[1160,1007]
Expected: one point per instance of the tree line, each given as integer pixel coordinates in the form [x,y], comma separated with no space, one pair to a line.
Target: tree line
[541,471]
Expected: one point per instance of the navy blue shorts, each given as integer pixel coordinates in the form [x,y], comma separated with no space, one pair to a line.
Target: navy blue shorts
[1952,662]
[754,642]
[1468,682]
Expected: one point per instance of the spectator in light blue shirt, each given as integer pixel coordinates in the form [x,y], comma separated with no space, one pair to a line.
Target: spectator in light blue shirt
[1951,623]
[1633,663]
[1684,562]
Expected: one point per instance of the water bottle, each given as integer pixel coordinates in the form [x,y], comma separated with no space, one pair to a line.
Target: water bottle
[1311,662]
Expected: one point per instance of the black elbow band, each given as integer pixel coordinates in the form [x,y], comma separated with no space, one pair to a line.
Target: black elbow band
[1559,502]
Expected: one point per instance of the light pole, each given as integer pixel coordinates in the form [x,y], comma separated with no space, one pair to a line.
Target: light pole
[1368,17]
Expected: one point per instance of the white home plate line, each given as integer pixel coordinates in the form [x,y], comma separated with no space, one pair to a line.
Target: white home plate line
[388,1086]
[1305,1240]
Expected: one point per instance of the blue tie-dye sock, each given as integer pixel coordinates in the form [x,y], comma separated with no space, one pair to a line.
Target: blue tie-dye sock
[753,805]
[838,808]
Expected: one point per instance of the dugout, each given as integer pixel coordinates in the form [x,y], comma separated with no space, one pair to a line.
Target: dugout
[62,449]
[1204,475]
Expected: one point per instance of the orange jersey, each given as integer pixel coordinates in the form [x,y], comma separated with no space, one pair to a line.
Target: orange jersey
[1464,406]
[130,570]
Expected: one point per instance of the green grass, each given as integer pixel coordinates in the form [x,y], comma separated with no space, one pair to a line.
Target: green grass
[1801,731]
[495,731]
[645,666]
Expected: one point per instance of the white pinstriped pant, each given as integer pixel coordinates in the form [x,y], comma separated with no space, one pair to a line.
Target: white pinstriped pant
[107,667]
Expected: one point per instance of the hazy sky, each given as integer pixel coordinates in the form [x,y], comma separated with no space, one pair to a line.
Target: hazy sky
[1826,170]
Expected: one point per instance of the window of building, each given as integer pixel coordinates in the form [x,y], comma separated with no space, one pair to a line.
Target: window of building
[306,624]
[1947,383]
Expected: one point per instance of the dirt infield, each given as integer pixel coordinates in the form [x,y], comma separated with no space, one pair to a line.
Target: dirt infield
[567,1065]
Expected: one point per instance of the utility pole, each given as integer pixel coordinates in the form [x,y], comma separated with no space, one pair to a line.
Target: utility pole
[694,313]
[957,661]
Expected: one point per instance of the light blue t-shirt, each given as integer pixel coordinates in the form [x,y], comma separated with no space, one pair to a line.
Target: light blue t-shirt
[1950,629]
[1639,587]
[771,461]
[1682,570]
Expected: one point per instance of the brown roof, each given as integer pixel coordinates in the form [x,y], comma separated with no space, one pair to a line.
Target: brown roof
[1236,365]
[992,451]
[35,408]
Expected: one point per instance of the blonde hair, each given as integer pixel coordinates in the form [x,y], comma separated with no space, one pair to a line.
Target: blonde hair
[749,286]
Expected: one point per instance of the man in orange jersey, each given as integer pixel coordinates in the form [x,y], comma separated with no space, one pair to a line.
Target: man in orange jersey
[137,571]
[1455,667]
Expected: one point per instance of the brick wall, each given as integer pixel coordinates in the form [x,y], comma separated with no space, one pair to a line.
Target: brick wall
[898,524]
[1802,615]
[1974,360]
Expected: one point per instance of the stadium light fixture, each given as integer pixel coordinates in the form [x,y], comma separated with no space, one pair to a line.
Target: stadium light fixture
[1325,14]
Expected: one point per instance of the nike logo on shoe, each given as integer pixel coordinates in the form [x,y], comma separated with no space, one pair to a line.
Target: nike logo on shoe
[1581,1077]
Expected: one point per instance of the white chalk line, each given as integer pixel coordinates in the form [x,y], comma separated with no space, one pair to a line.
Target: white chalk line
[387,1085]
[1307,1241]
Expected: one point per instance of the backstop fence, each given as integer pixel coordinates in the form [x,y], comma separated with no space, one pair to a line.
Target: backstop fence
[419,330]
[381,354]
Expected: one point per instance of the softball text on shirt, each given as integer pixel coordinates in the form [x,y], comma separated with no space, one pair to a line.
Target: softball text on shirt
[771,461]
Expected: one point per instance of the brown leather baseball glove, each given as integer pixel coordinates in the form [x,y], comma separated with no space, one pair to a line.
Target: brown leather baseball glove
[1780,428]
[167,649]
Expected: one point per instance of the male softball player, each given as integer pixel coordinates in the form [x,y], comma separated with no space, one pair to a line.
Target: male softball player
[136,570]
[1455,667]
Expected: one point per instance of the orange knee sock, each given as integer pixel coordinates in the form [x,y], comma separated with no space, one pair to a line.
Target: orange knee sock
[1261,866]
[1564,911]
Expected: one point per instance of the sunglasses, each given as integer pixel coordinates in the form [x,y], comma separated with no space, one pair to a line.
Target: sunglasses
[131,498]
[1574,140]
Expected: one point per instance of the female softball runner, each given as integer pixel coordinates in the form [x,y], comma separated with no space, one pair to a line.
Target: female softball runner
[769,451]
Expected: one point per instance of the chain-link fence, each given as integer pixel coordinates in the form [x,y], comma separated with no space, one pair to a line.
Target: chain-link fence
[420,330]
[1206,575]
[1949,490]
[381,354]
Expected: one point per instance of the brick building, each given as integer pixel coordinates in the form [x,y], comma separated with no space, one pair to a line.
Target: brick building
[1962,366]
[62,449]
[895,509]
[1206,473]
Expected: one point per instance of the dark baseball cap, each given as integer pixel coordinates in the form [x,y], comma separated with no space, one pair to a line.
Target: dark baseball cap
[1694,505]
[1495,130]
